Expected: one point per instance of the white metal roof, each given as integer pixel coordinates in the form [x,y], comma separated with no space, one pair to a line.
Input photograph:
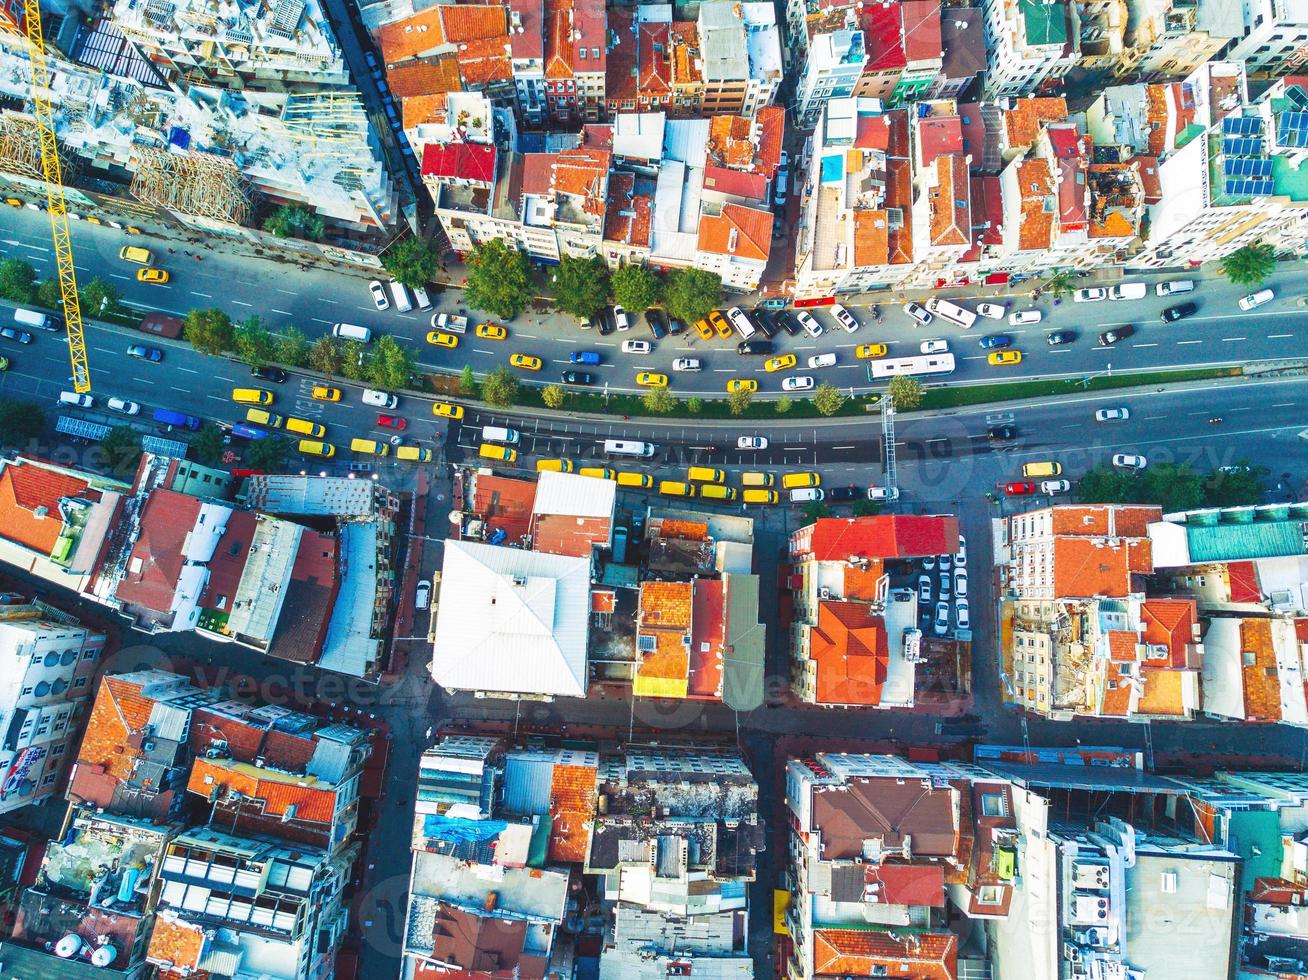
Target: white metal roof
[574,496]
[511,620]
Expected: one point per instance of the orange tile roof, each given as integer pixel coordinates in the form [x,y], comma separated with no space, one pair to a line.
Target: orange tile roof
[278,792]
[1035,184]
[664,613]
[1114,224]
[469,21]
[685,530]
[771,120]
[633,226]
[1023,121]
[874,952]
[1117,692]
[1122,645]
[1170,623]
[29,503]
[848,645]
[485,60]
[861,583]
[407,38]
[425,78]
[558,39]
[707,639]
[572,807]
[175,942]
[1086,567]
[951,207]
[655,69]
[1262,687]
[752,238]
[582,172]
[1097,520]
[418,109]
[620,71]
[871,237]
[118,711]
[687,70]
[899,188]
[1163,692]
[664,605]
[730,142]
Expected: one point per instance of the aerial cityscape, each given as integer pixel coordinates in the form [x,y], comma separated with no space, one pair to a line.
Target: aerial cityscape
[622,490]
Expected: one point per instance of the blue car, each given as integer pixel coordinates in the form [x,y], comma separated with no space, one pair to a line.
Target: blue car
[996,340]
[584,357]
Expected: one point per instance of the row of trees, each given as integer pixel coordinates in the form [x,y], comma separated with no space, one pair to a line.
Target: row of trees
[1175,486]
[19,284]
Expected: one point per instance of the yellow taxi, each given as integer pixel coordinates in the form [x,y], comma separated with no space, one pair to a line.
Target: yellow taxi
[152,275]
[445,410]
[870,350]
[13,202]
[720,324]
[528,362]
[492,331]
[741,384]
[704,329]
[779,363]
[439,339]
[326,393]
[999,358]
[650,379]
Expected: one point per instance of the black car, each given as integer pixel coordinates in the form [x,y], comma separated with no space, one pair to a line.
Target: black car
[844,493]
[1001,433]
[676,326]
[765,321]
[1116,334]
[17,336]
[145,353]
[755,347]
[602,323]
[1061,337]
[1179,312]
[789,324]
[275,375]
[658,322]
[578,378]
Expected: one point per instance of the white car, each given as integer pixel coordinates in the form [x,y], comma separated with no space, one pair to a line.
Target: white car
[752,442]
[636,347]
[124,406]
[962,618]
[929,562]
[620,318]
[942,618]
[1129,461]
[1023,317]
[844,318]
[935,346]
[882,493]
[992,310]
[1052,488]
[381,399]
[822,360]
[379,295]
[1174,287]
[946,584]
[802,382]
[924,588]
[946,562]
[1112,414]
[422,596]
[687,364]
[1255,300]
[960,556]
[811,326]
[1094,294]
[919,313]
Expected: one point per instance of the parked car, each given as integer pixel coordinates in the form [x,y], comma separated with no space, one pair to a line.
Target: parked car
[1112,414]
[379,298]
[1174,287]
[1180,311]
[1129,461]
[658,322]
[1051,488]
[811,326]
[1023,317]
[1255,300]
[941,625]
[993,311]
[1116,335]
[764,321]
[929,562]
[960,556]
[124,406]
[960,582]
[962,615]
[839,494]
[789,322]
[755,347]
[882,493]
[1093,294]
[1019,488]
[422,595]
[275,375]
[919,313]
[946,583]
[620,318]
[924,588]
[580,378]
[844,318]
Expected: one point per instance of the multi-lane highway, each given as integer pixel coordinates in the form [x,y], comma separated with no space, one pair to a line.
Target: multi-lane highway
[313,300]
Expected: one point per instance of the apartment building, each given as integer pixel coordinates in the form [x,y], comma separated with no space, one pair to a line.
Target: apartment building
[832,70]
[1274,39]
[49,660]
[448,48]
[740,56]
[1031,45]
[1168,40]
[962,38]
[576,52]
[527,59]
[853,644]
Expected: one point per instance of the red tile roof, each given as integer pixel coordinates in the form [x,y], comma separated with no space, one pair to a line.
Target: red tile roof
[582,172]
[459,161]
[882,36]
[157,558]
[572,807]
[871,237]
[505,503]
[849,648]
[628,217]
[736,183]
[277,793]
[1170,623]
[29,503]
[1242,579]
[620,68]
[937,135]
[742,232]
[1085,567]
[872,133]
[655,67]
[907,884]
[873,952]
[878,536]
[951,206]
[564,534]
[922,34]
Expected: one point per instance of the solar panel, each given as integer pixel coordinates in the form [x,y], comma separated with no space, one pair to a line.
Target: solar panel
[1241,126]
[1248,186]
[1242,146]
[1246,167]
[1297,95]
[1292,128]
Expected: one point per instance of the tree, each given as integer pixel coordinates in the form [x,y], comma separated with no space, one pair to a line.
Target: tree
[500,387]
[49,294]
[827,399]
[291,347]
[635,287]
[121,449]
[20,422]
[783,404]
[499,279]
[392,364]
[268,454]
[1237,485]
[1060,283]
[468,382]
[99,298]
[694,404]
[325,356]
[1249,266]
[353,360]
[905,392]
[658,401]
[294,221]
[815,510]
[253,344]
[209,331]
[866,508]
[553,396]
[1103,485]
[208,445]
[17,281]
[580,286]
[411,261]
[689,294]
[1173,486]
[738,400]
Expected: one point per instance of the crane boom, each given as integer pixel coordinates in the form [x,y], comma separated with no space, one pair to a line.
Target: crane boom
[54,194]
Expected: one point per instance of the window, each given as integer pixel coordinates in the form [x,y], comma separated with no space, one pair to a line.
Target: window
[89,655]
[58,749]
[50,778]
[80,682]
[27,691]
[992,804]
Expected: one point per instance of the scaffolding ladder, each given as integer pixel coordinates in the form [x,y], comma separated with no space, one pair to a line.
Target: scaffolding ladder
[888,437]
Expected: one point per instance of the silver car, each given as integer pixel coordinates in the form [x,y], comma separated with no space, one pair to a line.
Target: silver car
[960,582]
[924,589]
[942,618]
[961,617]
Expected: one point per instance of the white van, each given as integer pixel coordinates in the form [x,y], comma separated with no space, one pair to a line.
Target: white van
[497,433]
[348,331]
[1128,290]
[420,294]
[1174,286]
[805,495]
[401,296]
[30,318]
[741,322]
[628,447]
[73,398]
[952,312]
[380,399]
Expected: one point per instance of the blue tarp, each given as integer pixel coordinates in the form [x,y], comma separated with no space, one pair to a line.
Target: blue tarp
[457,830]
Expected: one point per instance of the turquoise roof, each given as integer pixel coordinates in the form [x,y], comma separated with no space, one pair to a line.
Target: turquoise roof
[1233,542]
[1046,23]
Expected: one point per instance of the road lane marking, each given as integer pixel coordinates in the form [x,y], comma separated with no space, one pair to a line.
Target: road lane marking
[1182,343]
[187,370]
[104,350]
[242,303]
[205,295]
[844,447]
[1279,336]
[147,381]
[529,336]
[481,350]
[1228,340]
[283,312]
[317,320]
[217,398]
[1133,345]
[288,292]
[114,275]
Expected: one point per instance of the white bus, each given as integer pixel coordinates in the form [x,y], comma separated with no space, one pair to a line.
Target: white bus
[889,367]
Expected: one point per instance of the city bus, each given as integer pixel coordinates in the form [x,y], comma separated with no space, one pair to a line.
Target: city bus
[889,367]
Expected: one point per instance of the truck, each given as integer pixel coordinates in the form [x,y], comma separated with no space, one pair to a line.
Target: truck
[161,325]
[38,321]
[1128,290]
[449,322]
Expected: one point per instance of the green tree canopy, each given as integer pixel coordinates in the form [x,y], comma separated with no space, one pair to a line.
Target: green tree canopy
[1249,266]
[783,404]
[17,281]
[866,508]
[659,401]
[268,454]
[468,382]
[1105,485]
[815,510]
[580,286]
[500,387]
[391,364]
[738,400]
[1242,484]
[325,356]
[499,279]
[1060,283]
[209,331]
[207,445]
[253,344]
[354,360]
[20,422]
[694,404]
[411,261]
[49,294]
[121,450]
[1173,486]
[690,294]
[291,347]
[906,392]
[827,399]
[553,396]
[635,287]
[99,297]
[294,221]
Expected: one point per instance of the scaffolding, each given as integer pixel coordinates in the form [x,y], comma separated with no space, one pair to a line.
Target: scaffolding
[195,184]
[20,146]
[331,117]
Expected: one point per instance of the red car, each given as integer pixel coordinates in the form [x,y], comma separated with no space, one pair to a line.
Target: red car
[1020,489]
[392,422]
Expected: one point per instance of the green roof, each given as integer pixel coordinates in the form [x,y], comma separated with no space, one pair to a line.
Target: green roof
[1255,835]
[1233,542]
[742,667]
[1045,23]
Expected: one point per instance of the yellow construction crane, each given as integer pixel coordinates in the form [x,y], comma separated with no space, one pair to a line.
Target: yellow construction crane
[54,195]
